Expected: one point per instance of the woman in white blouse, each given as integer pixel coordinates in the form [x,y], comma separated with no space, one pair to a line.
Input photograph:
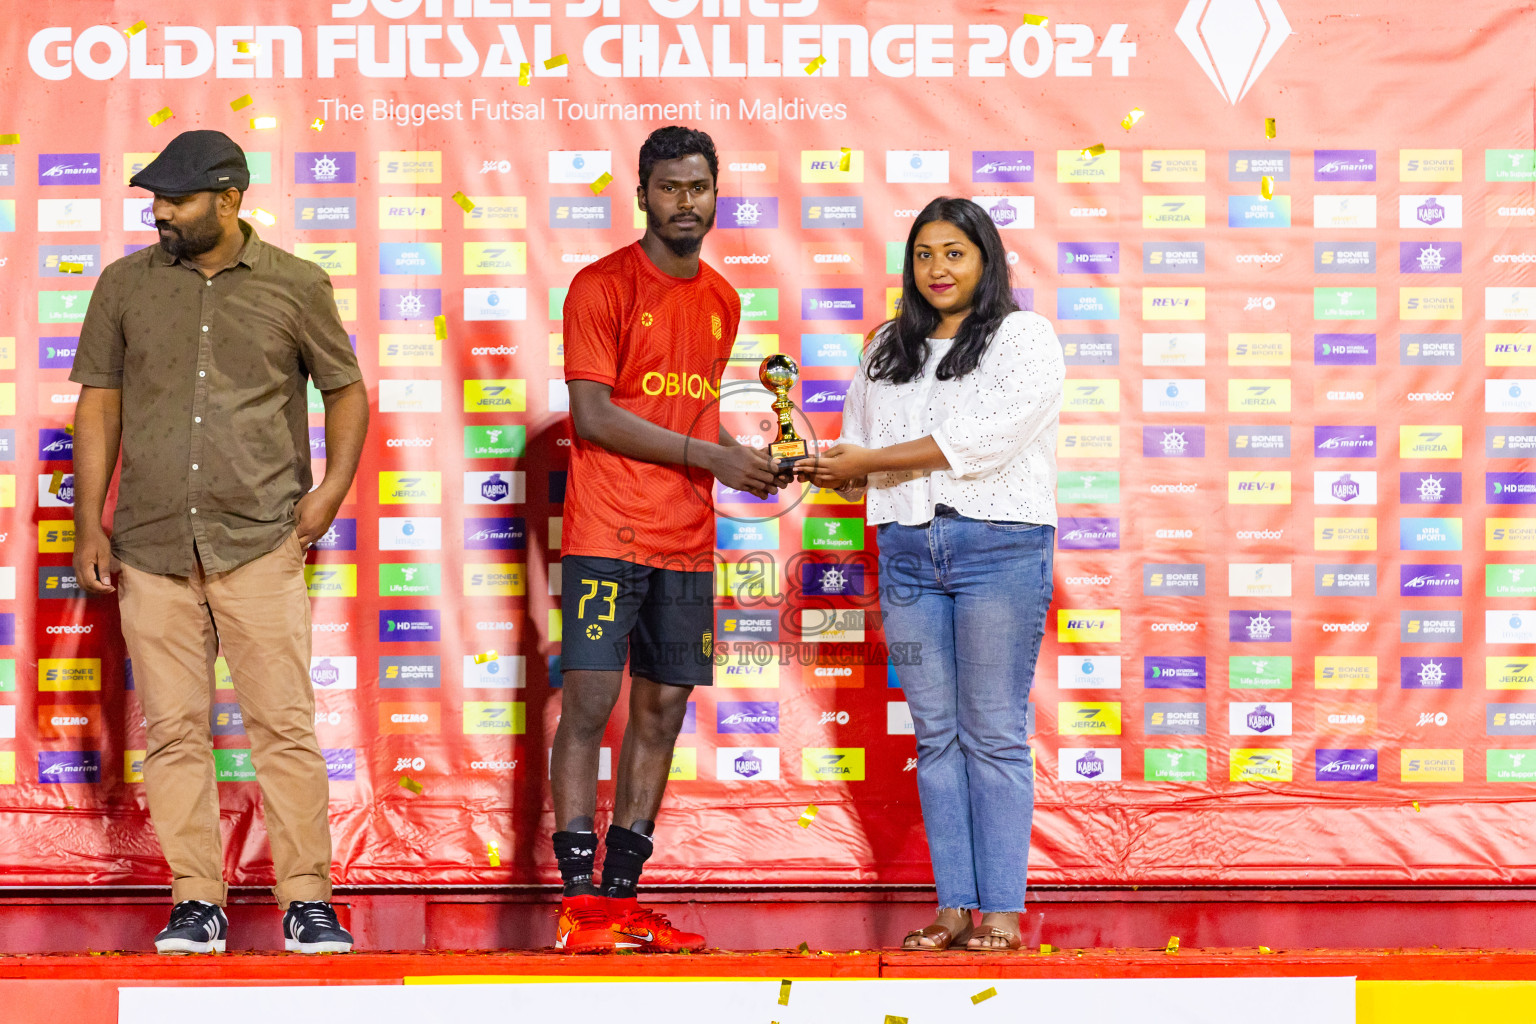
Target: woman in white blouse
[951,425]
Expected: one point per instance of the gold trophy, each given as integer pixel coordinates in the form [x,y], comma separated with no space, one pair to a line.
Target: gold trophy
[778,374]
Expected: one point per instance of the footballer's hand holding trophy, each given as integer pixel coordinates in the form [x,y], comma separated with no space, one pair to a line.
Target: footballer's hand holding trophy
[778,374]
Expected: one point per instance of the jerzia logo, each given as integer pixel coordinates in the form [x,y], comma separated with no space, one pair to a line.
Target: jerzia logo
[1233,41]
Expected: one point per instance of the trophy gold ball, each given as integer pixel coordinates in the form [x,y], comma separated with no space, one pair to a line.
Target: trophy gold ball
[778,373]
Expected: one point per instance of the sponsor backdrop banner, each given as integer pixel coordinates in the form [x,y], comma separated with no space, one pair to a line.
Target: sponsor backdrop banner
[1294,632]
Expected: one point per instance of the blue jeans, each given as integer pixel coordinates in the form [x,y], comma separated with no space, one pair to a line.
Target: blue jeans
[974,595]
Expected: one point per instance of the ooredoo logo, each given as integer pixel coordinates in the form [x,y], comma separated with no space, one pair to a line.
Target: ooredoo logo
[1233,41]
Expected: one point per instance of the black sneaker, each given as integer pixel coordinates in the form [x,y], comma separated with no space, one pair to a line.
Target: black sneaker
[196,927]
[313,928]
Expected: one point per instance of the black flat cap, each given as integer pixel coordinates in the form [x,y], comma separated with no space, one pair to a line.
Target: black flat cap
[199,161]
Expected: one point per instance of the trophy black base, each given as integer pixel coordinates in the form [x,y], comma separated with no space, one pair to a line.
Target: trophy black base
[786,453]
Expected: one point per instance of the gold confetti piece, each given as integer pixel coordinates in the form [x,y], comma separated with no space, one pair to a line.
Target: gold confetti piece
[242,102]
[71,268]
[10,140]
[493,853]
[1416,807]
[1267,186]
[1129,121]
[983,996]
[891,1018]
[524,72]
[846,163]
[465,203]
[1269,127]
[1173,944]
[815,64]
[558,60]
[805,947]
[246,46]
[480,659]
[135,28]
[440,327]
[56,482]
[406,782]
[262,216]
[160,116]
[603,181]
[807,816]
[1036,19]
[69,428]
[1046,947]
[1265,949]
[1097,149]
[262,123]
[784,992]
[317,124]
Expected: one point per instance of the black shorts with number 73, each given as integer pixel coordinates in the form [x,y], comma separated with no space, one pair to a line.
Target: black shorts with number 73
[659,621]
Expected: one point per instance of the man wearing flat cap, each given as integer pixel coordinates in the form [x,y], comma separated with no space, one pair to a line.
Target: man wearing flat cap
[192,362]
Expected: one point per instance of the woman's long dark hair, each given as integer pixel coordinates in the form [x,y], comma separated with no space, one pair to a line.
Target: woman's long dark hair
[902,348]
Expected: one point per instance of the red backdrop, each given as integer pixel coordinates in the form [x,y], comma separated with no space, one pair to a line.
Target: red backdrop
[1272,449]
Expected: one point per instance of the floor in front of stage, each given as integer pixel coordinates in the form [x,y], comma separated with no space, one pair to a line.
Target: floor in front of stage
[1401,986]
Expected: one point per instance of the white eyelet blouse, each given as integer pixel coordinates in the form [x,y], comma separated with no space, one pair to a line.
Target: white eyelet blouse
[996,425]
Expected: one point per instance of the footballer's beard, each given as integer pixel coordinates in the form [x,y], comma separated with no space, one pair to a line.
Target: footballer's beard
[686,245]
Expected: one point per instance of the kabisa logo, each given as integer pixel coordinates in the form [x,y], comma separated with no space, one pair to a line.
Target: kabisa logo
[324,673]
[748,764]
[1004,213]
[1090,765]
[1344,488]
[495,488]
[1232,42]
[1430,212]
[1260,719]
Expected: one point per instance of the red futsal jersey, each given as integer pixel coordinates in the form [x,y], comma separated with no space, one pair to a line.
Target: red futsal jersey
[661,343]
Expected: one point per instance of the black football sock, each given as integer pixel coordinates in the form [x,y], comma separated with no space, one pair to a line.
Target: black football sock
[625,856]
[576,853]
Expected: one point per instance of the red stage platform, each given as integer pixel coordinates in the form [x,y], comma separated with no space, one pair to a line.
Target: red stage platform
[66,963]
[69,921]
[83,988]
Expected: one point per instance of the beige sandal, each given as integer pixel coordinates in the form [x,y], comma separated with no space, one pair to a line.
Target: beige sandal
[941,937]
[986,932]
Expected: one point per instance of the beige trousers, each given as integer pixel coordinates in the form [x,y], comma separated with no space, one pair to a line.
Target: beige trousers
[174,626]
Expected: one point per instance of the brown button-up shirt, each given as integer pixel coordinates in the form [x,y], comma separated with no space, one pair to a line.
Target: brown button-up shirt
[215,417]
